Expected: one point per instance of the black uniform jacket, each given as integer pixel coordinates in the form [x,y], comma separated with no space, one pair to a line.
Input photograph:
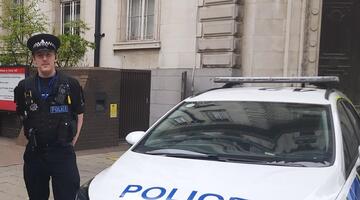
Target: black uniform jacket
[76,93]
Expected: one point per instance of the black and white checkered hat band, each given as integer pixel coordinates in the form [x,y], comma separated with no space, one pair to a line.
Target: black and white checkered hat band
[44,44]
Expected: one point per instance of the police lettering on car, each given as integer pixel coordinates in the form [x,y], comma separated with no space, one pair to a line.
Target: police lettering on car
[158,193]
[51,107]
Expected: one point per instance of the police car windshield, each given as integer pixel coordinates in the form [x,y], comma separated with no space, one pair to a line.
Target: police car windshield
[278,133]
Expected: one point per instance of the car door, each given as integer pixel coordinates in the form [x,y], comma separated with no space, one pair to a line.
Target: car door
[350,128]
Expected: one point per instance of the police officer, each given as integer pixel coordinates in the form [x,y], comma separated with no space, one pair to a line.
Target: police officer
[51,107]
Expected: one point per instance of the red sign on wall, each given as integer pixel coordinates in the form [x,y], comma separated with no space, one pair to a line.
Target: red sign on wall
[9,79]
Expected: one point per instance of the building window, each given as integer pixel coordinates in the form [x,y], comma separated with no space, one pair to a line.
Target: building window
[70,11]
[141,19]
[18,4]
[138,25]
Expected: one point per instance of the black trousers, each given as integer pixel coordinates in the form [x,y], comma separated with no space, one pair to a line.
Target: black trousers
[57,163]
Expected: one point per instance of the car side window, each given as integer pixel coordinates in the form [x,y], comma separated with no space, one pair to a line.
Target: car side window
[349,137]
[354,117]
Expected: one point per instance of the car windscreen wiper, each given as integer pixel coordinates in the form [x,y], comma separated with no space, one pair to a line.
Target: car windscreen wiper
[253,159]
[168,151]
[202,156]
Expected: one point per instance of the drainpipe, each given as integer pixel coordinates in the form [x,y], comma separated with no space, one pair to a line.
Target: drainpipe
[97,34]
[287,38]
[301,41]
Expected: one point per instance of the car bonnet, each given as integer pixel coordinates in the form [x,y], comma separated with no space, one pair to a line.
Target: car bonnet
[140,176]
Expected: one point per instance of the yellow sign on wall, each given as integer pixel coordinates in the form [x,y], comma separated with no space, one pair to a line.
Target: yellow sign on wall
[113,110]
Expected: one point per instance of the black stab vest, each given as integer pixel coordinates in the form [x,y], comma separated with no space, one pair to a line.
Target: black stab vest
[47,118]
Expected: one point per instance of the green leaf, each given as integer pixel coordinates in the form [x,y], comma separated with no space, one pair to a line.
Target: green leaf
[20,21]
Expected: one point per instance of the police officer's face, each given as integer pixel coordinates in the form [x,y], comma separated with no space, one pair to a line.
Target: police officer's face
[45,62]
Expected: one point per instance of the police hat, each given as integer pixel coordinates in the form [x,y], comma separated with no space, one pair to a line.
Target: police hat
[43,41]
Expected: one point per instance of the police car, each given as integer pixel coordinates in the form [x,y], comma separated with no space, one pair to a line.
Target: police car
[235,143]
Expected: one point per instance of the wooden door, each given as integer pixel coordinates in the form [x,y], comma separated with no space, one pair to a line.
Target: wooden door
[340,45]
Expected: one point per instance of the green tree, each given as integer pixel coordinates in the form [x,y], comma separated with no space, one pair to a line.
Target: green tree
[18,22]
[73,46]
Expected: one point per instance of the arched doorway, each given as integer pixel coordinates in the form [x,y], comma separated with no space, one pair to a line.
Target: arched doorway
[340,45]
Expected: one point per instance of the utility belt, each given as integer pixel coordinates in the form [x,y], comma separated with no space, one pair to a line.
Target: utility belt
[46,147]
[60,136]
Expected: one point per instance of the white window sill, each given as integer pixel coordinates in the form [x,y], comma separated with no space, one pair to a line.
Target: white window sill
[130,45]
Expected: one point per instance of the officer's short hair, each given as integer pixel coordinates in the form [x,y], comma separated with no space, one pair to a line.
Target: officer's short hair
[43,41]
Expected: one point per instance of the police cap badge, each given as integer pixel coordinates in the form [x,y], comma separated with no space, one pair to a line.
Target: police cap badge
[43,41]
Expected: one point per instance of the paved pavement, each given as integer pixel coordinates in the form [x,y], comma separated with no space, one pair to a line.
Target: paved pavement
[12,187]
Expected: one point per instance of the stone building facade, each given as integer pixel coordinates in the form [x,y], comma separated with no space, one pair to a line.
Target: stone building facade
[185,43]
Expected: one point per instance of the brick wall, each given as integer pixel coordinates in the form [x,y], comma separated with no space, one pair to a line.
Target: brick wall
[9,124]
[101,88]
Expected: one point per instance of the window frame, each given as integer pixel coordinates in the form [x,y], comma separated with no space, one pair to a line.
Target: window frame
[143,21]
[122,42]
[19,3]
[351,154]
[73,14]
[354,118]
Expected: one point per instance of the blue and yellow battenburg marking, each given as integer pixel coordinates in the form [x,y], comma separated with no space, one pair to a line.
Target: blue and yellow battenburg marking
[354,193]
[59,109]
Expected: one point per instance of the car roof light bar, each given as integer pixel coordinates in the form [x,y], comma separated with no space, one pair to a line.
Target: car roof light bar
[305,79]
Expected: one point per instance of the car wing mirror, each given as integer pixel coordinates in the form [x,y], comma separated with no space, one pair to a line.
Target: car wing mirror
[134,137]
